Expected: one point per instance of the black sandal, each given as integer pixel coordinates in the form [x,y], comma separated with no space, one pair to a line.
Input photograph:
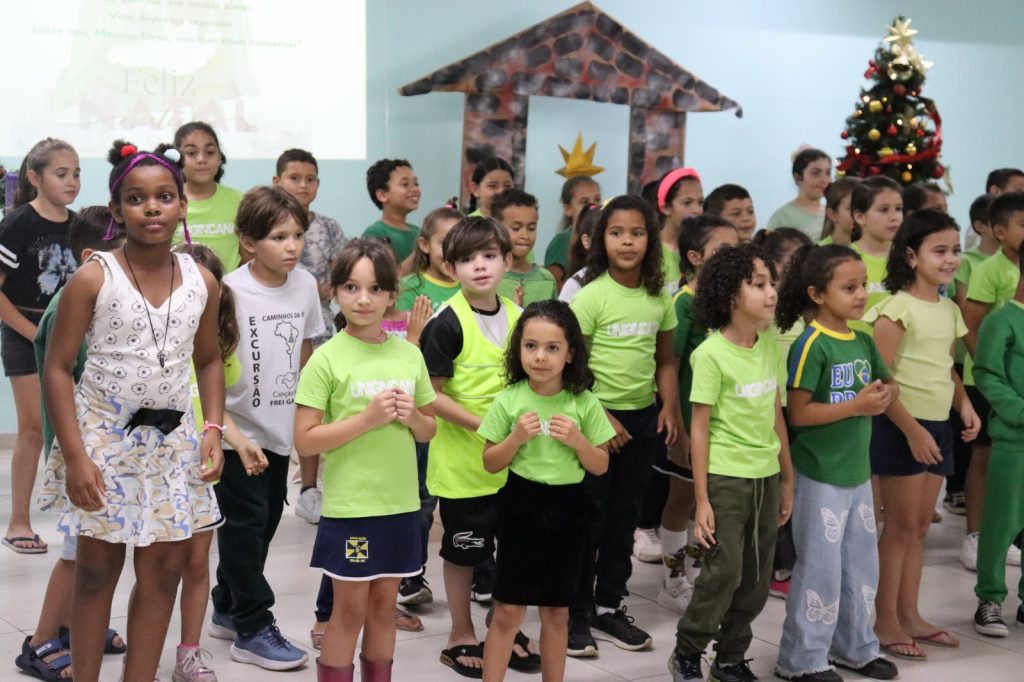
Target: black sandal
[450,657]
[530,663]
[32,660]
[108,643]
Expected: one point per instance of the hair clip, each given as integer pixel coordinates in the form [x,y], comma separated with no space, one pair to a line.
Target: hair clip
[172,155]
[128,150]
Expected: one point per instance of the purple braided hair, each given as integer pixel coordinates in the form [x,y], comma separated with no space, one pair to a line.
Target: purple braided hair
[116,184]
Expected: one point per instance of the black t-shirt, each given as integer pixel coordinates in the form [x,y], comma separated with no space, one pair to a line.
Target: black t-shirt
[441,340]
[35,257]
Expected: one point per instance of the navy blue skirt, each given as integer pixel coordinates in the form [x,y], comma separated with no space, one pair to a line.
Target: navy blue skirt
[368,548]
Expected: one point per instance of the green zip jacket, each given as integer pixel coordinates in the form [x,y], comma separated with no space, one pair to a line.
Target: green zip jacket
[999,370]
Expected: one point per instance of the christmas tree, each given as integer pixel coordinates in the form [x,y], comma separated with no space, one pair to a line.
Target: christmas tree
[894,131]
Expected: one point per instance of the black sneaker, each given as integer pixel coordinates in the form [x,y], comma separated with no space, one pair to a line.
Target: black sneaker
[878,669]
[685,666]
[988,620]
[820,676]
[737,672]
[616,627]
[955,504]
[1020,616]
[581,642]
[483,582]
[414,591]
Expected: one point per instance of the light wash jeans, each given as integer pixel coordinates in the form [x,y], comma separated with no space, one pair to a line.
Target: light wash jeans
[832,596]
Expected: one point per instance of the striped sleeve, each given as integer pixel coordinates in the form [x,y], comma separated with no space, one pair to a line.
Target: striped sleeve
[800,361]
[8,259]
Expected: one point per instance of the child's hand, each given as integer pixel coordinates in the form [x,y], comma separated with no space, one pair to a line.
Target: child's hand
[873,399]
[405,408]
[565,431]
[622,436]
[518,298]
[252,457]
[704,525]
[923,446]
[527,426]
[670,420]
[679,452]
[418,317]
[971,420]
[785,503]
[211,456]
[85,485]
[381,409]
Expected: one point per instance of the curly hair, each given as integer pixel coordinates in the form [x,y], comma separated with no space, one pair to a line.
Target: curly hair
[228,333]
[576,377]
[379,174]
[899,275]
[721,280]
[810,266]
[651,275]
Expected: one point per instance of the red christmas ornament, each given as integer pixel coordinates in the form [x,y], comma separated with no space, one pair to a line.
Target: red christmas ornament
[850,149]
[899,89]
[919,132]
[888,110]
[892,130]
[939,171]
[844,134]
[874,170]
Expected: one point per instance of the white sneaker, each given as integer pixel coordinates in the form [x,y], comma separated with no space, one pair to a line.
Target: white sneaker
[1013,556]
[676,595]
[308,505]
[969,552]
[647,545]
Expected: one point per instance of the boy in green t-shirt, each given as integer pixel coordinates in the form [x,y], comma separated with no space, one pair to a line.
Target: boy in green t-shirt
[524,282]
[993,283]
[395,190]
[85,237]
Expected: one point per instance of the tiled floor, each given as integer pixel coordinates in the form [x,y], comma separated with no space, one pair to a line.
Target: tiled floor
[947,599]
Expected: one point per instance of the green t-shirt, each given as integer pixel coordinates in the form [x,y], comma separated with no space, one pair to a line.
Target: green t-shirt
[688,335]
[422,284]
[968,261]
[790,215]
[741,386]
[402,242]
[834,367]
[211,222]
[670,268]
[877,268]
[622,325]
[994,280]
[39,344]
[544,459]
[924,361]
[784,341]
[538,285]
[374,474]
[557,252]
[825,241]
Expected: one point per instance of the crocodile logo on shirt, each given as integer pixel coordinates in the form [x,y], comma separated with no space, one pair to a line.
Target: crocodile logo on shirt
[466,540]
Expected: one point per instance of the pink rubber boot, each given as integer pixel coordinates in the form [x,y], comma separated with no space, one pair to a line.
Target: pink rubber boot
[329,673]
[374,671]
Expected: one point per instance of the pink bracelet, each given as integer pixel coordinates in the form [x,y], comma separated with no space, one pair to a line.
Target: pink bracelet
[210,425]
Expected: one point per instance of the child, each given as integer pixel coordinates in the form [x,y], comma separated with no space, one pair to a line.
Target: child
[577,192]
[739,453]
[211,205]
[627,317]
[993,282]
[923,195]
[464,346]
[980,217]
[733,203]
[837,382]
[35,262]
[1004,180]
[999,374]
[812,173]
[839,226]
[490,177]
[911,444]
[702,237]
[44,653]
[876,205]
[298,174]
[277,308]
[395,190]
[128,466]
[586,221]
[547,429]
[680,196]
[363,399]
[517,211]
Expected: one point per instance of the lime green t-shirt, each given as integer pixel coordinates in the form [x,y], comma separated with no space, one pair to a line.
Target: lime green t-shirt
[877,268]
[557,252]
[688,335]
[622,324]
[834,367]
[375,473]
[784,341]
[825,241]
[924,361]
[991,280]
[741,386]
[968,261]
[670,268]
[538,285]
[544,459]
[402,242]
[232,373]
[422,284]
[211,222]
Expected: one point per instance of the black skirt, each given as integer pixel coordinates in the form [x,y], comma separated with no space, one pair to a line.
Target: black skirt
[544,547]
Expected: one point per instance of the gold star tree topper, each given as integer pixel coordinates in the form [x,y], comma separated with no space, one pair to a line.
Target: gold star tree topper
[579,162]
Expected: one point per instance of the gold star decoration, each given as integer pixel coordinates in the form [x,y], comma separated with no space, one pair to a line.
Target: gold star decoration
[579,162]
[900,32]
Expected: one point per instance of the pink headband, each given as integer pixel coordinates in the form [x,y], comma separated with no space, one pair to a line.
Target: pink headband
[672,178]
[128,150]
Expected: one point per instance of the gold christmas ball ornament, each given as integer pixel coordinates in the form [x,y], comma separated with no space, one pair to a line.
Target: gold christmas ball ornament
[874,106]
[911,148]
[874,135]
[907,177]
[840,173]
[858,113]
[885,151]
[914,122]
